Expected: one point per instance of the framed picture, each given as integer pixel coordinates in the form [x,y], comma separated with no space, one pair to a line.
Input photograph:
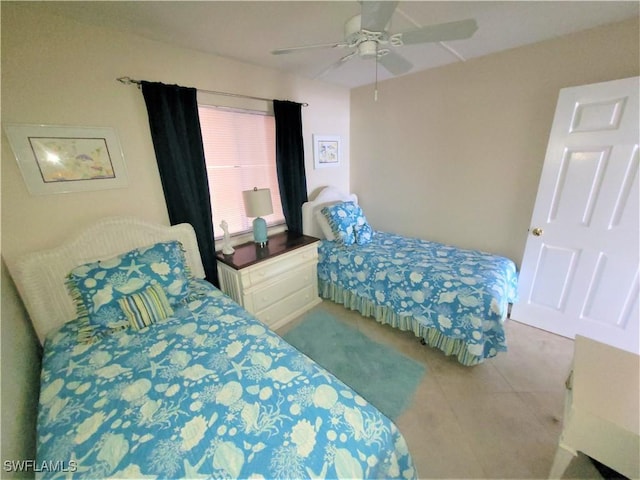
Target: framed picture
[56,159]
[326,150]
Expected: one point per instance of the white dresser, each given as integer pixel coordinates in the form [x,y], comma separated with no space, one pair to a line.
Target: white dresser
[276,283]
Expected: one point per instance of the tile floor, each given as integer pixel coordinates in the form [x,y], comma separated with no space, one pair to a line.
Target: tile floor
[500,419]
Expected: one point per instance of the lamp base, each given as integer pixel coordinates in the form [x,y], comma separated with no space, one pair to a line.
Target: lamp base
[260,232]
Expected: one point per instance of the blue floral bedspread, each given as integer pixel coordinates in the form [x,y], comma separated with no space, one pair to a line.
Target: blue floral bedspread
[456,299]
[209,392]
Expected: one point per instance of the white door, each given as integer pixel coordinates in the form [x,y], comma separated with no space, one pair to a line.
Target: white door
[579,273]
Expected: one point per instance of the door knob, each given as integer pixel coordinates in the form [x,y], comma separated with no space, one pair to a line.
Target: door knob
[537,232]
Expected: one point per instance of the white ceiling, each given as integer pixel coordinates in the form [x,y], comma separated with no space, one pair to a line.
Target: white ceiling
[249,30]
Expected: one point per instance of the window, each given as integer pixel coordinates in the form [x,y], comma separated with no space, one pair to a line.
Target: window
[240,153]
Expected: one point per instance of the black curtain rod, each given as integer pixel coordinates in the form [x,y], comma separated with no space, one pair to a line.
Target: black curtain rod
[131,81]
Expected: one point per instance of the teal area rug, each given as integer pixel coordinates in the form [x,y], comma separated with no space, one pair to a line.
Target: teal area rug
[383,376]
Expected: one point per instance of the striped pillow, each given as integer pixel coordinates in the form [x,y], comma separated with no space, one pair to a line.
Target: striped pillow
[146,307]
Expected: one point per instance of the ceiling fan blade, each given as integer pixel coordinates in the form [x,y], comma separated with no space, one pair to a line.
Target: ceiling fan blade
[376,14]
[337,64]
[442,32]
[281,51]
[396,64]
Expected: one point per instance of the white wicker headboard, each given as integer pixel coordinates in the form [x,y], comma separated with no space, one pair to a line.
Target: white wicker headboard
[327,196]
[40,276]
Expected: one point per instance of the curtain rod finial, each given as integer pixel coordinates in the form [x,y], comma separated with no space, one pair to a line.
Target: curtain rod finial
[129,81]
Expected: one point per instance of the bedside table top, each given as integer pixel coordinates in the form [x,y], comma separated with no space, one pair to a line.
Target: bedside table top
[249,253]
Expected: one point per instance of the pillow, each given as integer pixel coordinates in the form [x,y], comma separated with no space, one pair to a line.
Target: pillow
[146,307]
[363,232]
[96,287]
[88,333]
[348,223]
[329,196]
[342,220]
[323,223]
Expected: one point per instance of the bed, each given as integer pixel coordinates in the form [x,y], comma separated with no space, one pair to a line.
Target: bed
[194,386]
[454,299]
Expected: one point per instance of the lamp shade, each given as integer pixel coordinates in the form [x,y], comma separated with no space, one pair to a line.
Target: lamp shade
[257,202]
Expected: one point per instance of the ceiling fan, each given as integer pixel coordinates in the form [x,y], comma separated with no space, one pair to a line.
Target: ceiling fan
[368,36]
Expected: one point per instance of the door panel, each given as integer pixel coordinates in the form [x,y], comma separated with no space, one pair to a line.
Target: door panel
[625,212]
[579,183]
[556,266]
[592,116]
[579,273]
[603,305]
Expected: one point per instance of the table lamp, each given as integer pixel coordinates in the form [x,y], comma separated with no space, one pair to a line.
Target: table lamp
[257,202]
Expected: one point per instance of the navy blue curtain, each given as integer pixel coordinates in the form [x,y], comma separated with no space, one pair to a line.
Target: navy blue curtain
[290,162]
[177,141]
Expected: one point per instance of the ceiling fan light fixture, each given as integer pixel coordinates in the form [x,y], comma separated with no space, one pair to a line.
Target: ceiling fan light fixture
[368,49]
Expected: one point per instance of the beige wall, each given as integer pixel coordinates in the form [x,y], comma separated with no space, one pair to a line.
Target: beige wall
[455,154]
[58,72]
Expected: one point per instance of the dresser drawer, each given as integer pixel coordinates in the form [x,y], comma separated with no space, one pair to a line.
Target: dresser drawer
[284,263]
[281,287]
[279,313]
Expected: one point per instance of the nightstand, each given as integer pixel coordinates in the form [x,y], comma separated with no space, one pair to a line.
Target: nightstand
[601,417]
[277,282]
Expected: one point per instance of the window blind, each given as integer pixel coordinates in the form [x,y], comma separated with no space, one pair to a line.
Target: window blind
[240,154]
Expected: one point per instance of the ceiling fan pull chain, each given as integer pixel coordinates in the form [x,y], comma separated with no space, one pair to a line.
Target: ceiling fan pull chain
[375,91]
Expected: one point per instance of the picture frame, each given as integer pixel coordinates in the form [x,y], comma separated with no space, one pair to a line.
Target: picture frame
[326,151]
[64,159]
